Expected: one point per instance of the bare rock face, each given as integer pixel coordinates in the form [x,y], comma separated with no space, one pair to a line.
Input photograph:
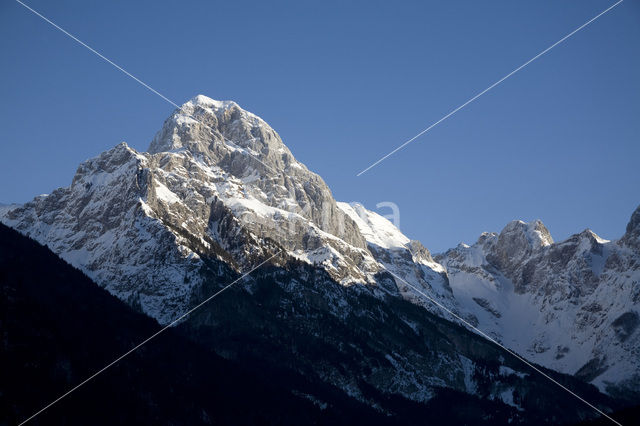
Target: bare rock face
[223,135]
[631,237]
[516,243]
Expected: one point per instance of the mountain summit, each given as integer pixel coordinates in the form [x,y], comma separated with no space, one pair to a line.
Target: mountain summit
[222,135]
[217,180]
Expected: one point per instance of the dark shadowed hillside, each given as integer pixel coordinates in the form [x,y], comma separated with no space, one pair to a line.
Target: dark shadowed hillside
[58,328]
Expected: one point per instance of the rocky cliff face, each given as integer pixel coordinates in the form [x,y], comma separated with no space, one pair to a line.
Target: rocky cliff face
[572,306]
[515,244]
[631,238]
[224,136]
[218,193]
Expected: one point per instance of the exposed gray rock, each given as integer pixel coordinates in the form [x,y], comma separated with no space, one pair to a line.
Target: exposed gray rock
[631,237]
[515,244]
[223,135]
[592,369]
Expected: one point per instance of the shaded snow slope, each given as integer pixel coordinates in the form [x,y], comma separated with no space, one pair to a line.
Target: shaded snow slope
[571,306]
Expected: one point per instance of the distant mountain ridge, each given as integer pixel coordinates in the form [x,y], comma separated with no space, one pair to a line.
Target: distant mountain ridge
[218,192]
[572,306]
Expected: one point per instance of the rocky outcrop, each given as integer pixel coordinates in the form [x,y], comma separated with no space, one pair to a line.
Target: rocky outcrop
[223,135]
[516,244]
[631,237]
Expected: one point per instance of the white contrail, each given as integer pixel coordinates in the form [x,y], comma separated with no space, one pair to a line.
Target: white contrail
[488,88]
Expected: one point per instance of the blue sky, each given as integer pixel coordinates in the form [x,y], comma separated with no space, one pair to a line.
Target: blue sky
[344,83]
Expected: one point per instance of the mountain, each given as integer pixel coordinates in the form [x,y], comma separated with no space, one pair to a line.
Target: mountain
[217,194]
[572,306]
[224,186]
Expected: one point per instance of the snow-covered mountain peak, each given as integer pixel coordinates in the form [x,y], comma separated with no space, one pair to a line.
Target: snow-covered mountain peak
[533,234]
[211,103]
[570,305]
[217,181]
[485,238]
[592,236]
[516,242]
[227,136]
[223,136]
